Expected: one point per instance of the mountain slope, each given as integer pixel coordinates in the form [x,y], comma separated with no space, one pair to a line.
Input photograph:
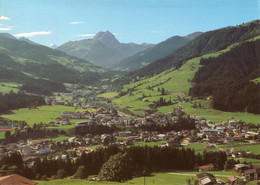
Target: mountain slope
[104,49]
[38,65]
[206,43]
[228,79]
[226,74]
[28,40]
[153,53]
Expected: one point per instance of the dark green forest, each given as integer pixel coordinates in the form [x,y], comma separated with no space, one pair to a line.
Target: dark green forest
[228,78]
[141,159]
[208,42]
[13,101]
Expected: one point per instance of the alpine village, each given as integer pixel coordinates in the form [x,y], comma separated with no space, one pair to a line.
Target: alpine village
[97,111]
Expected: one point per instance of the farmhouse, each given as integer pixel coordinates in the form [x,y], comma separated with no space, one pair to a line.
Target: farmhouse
[65,121]
[232,180]
[125,133]
[206,179]
[252,174]
[81,124]
[206,167]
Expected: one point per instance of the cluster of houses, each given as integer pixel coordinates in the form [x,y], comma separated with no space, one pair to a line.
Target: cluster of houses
[28,149]
[247,172]
[227,132]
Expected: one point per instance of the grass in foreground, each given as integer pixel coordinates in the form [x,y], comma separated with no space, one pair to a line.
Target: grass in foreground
[171,178]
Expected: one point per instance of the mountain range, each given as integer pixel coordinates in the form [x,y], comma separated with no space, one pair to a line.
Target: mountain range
[222,66]
[207,42]
[42,70]
[155,52]
[103,50]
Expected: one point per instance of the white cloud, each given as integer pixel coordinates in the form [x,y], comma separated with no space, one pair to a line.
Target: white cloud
[86,35]
[76,22]
[5,29]
[4,18]
[31,34]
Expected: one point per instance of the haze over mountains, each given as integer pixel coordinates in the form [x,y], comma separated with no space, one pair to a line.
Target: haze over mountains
[207,42]
[42,70]
[103,50]
[106,51]
[155,52]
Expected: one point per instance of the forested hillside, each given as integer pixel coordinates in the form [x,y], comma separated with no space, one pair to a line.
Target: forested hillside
[229,79]
[208,42]
[43,70]
[18,100]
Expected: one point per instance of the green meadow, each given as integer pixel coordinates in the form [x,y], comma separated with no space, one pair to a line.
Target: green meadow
[253,161]
[253,148]
[42,114]
[220,116]
[169,178]
[60,138]
[149,143]
[7,87]
[108,95]
[177,82]
[257,80]
[196,146]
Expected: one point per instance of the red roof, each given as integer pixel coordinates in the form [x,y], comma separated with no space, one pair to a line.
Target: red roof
[5,129]
[16,179]
[206,166]
[232,178]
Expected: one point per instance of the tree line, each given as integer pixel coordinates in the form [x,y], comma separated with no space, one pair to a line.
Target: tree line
[208,42]
[228,78]
[135,161]
[18,100]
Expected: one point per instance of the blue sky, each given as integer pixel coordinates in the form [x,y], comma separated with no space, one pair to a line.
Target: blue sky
[151,21]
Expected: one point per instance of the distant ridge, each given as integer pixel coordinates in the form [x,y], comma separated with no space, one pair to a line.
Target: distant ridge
[7,35]
[207,42]
[28,41]
[42,70]
[103,50]
[151,54]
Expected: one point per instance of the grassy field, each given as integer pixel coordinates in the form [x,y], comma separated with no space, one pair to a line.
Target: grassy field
[253,148]
[253,161]
[176,178]
[149,143]
[174,81]
[196,146]
[60,138]
[74,182]
[42,114]
[108,95]
[2,134]
[219,116]
[177,82]
[7,87]
[257,80]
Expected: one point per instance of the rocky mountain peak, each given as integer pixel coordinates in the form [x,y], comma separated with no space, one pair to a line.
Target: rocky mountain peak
[107,38]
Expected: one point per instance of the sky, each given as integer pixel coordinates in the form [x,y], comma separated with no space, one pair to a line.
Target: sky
[140,21]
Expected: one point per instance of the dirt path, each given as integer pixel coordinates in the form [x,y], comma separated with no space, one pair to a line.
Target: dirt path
[190,174]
